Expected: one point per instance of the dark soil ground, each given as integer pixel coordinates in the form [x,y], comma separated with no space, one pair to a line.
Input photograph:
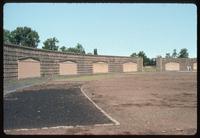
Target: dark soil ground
[50,108]
[143,103]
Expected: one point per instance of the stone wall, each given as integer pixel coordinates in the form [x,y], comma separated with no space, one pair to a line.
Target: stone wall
[49,61]
[183,63]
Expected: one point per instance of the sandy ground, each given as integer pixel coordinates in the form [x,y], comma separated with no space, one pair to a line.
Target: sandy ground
[145,103]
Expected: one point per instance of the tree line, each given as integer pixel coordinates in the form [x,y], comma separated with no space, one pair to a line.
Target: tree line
[146,61]
[25,36]
[182,54]
[152,61]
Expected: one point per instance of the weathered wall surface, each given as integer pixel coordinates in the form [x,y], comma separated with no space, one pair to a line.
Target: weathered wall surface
[183,63]
[100,67]
[129,67]
[68,68]
[49,61]
[28,68]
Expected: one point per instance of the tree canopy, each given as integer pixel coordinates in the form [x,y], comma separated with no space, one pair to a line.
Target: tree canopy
[145,58]
[174,54]
[25,36]
[146,61]
[63,49]
[6,36]
[183,53]
[22,36]
[134,55]
[50,44]
[167,55]
[78,49]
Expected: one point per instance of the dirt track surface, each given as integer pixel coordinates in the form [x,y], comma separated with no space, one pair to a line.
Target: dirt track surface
[145,103]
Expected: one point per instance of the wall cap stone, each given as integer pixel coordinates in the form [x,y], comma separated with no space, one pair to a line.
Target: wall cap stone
[66,53]
[179,58]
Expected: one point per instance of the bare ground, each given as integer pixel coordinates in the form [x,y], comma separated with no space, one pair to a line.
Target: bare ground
[144,103]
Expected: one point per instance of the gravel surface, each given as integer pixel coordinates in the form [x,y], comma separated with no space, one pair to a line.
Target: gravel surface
[151,103]
[143,103]
[50,108]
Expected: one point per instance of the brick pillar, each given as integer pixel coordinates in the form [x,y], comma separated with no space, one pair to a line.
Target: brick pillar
[140,64]
[159,64]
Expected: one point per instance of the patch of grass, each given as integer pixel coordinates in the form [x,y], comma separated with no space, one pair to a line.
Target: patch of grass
[25,81]
[28,81]
[149,69]
[15,84]
[84,77]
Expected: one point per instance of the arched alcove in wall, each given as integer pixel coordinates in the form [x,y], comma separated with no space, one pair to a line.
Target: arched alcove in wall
[28,68]
[68,68]
[100,67]
[129,67]
[194,66]
[172,66]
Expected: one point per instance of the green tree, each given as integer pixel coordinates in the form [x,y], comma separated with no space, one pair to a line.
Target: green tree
[152,62]
[134,55]
[145,58]
[174,54]
[167,55]
[6,36]
[80,49]
[50,44]
[183,53]
[24,36]
[72,50]
[141,54]
[95,51]
[63,49]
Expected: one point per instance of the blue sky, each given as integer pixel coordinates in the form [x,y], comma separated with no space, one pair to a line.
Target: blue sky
[114,29]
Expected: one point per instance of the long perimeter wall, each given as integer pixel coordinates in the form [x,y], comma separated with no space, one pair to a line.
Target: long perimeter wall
[176,64]
[49,61]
